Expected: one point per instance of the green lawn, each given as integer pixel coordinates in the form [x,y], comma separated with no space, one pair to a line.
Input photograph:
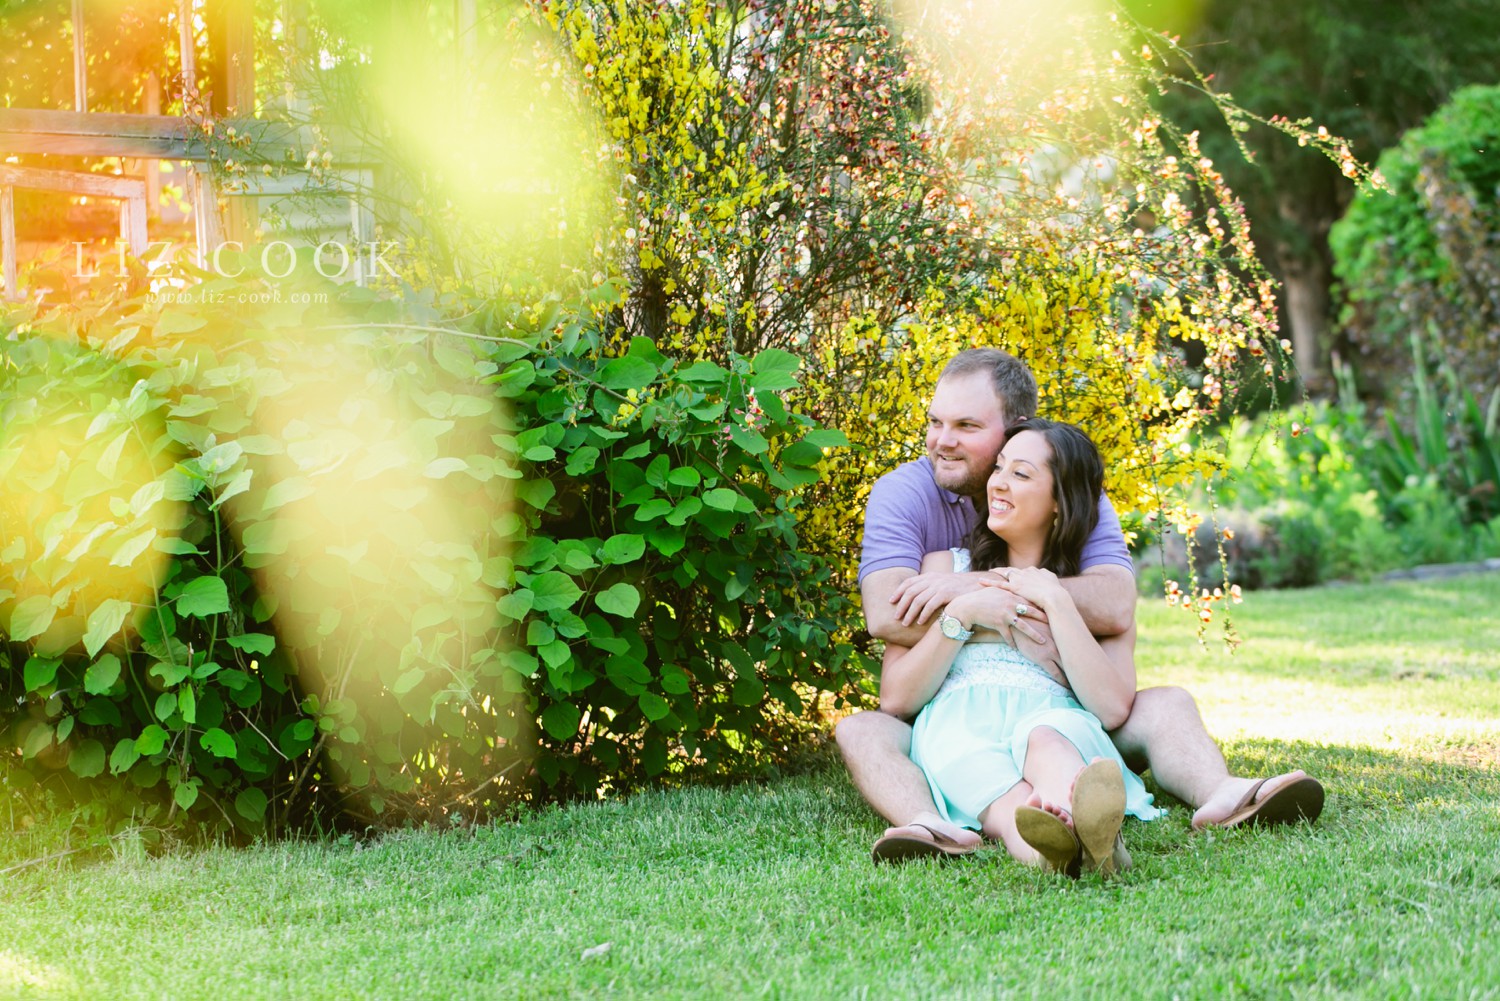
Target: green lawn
[1390,693]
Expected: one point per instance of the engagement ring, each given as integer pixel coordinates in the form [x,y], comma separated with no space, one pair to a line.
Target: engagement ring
[1021,611]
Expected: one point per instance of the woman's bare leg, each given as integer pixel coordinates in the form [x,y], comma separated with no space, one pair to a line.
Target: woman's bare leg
[1052,765]
[999,823]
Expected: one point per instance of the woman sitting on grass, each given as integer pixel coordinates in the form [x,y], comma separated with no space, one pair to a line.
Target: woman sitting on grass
[1006,743]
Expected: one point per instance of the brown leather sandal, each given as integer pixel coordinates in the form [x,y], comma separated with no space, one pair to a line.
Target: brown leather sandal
[1300,799]
[901,844]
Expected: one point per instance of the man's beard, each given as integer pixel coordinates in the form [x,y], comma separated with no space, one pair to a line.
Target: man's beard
[966,483]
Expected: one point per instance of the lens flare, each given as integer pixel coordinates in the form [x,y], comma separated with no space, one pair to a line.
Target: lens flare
[1035,44]
[21,975]
[369,526]
[493,137]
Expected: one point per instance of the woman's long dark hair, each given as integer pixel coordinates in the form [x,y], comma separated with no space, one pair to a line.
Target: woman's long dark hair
[1077,481]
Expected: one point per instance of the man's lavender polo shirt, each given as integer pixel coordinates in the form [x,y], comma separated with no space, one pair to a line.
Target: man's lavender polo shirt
[909,515]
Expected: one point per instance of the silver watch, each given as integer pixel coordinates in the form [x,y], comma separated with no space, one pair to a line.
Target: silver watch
[954,629]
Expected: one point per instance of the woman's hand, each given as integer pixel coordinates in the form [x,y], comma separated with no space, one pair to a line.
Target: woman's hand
[997,609]
[1035,592]
[1040,587]
[1103,681]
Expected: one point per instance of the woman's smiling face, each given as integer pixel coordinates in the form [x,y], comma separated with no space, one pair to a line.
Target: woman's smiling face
[1021,505]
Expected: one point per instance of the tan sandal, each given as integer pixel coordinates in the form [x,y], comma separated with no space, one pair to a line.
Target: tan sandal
[1053,840]
[1098,814]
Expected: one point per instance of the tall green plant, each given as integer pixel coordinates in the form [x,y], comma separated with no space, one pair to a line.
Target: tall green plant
[1453,441]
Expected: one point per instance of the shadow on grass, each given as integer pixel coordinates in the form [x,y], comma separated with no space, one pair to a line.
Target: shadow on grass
[1366,789]
[767,889]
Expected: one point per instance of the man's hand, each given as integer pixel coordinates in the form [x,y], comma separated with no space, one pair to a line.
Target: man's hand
[920,596]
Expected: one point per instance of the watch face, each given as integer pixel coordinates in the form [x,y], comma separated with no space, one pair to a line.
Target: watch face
[952,628]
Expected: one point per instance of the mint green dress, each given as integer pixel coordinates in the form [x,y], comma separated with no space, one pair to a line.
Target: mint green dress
[970,740]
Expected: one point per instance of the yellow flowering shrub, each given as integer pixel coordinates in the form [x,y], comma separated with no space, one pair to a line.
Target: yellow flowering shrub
[692,193]
[875,187]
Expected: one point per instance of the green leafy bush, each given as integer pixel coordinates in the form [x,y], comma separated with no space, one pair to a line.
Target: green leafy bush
[1320,495]
[327,558]
[672,497]
[1420,258]
[1307,511]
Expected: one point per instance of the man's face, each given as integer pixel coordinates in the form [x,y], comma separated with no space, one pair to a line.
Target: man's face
[965,428]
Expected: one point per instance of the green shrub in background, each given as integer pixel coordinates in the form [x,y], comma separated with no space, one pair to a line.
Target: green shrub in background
[1321,494]
[334,561]
[1303,510]
[1420,258]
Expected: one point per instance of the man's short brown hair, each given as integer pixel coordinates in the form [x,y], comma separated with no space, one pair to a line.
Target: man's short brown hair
[1014,383]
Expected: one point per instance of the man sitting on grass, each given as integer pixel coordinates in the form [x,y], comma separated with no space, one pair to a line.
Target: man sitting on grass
[929,506]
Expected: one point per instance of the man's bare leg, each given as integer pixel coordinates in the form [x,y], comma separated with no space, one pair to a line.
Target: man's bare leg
[877,751]
[1166,730]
